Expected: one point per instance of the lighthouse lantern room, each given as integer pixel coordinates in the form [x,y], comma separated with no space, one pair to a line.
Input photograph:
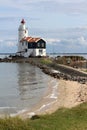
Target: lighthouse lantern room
[29,46]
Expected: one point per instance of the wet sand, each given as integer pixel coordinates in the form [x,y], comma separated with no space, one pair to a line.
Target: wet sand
[60,94]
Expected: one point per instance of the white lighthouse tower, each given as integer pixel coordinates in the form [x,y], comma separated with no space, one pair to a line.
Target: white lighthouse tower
[22,32]
[29,46]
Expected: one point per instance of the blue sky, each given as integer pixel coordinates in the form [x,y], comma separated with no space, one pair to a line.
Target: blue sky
[62,23]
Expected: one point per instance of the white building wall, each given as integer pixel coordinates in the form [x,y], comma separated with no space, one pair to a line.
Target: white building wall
[38,53]
[34,52]
[28,53]
[44,52]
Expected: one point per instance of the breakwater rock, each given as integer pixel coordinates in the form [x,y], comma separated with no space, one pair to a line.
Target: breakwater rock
[58,75]
[63,72]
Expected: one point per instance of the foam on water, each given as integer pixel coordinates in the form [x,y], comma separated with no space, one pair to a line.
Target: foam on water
[54,94]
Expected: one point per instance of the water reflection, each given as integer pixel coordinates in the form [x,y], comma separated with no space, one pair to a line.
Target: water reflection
[31,82]
[21,86]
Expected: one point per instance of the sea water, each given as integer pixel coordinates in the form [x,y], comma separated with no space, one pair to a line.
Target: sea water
[21,87]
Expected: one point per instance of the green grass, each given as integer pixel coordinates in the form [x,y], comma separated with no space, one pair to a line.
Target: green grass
[45,61]
[62,119]
[85,71]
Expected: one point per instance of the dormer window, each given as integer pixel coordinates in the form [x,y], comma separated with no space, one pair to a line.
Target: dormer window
[42,45]
[38,44]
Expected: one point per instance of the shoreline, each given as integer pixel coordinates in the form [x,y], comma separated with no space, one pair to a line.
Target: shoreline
[43,106]
[63,91]
[65,94]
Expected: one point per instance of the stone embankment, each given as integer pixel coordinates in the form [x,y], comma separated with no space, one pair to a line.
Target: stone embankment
[65,74]
[55,70]
[62,72]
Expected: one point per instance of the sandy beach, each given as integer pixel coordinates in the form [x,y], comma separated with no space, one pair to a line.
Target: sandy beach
[60,94]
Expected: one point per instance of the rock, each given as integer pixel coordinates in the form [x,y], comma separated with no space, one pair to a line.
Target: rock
[34,117]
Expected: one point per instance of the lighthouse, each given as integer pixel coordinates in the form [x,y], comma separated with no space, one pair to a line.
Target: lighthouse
[22,32]
[29,46]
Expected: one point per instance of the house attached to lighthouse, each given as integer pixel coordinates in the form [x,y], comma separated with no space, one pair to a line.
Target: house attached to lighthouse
[29,46]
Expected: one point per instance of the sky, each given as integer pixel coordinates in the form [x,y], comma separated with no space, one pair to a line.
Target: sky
[61,23]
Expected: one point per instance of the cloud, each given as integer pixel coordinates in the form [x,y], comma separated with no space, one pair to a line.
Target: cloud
[73,45]
[68,41]
[8,45]
[58,6]
[52,41]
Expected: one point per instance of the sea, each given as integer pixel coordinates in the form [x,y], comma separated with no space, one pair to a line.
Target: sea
[22,86]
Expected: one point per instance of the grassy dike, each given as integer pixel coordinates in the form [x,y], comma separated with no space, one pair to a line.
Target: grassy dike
[62,119]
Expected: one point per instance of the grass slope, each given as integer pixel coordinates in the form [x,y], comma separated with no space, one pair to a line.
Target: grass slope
[62,119]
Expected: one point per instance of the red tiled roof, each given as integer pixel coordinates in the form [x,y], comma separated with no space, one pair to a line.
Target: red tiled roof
[30,39]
